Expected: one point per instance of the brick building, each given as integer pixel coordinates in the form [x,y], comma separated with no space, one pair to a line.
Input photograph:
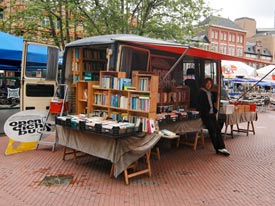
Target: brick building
[8,8]
[263,40]
[238,38]
[224,35]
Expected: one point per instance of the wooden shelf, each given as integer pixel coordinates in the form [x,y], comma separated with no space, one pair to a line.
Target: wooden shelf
[83,92]
[87,63]
[176,96]
[106,98]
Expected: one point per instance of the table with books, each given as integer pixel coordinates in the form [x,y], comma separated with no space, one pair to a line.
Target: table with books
[236,118]
[180,127]
[120,148]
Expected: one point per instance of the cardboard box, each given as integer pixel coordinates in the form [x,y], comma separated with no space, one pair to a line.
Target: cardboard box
[253,107]
[246,108]
[228,108]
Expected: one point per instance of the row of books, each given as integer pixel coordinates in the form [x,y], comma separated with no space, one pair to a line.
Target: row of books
[166,97]
[146,124]
[119,101]
[122,120]
[111,82]
[119,116]
[100,98]
[89,76]
[94,66]
[75,66]
[140,102]
[93,54]
[144,84]
[137,101]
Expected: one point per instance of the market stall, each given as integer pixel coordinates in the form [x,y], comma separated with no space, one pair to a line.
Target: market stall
[239,113]
[122,152]
[183,128]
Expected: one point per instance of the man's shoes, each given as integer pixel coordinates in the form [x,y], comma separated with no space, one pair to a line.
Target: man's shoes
[223,152]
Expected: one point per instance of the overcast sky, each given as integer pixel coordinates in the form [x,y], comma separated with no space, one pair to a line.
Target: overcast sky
[262,11]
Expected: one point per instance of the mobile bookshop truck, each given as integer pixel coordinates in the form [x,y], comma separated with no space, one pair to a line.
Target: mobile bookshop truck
[92,64]
[126,76]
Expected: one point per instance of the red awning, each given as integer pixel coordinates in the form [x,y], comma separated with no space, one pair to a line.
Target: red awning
[179,49]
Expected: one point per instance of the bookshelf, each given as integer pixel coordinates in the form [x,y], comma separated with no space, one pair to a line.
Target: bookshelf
[84,90]
[87,64]
[130,102]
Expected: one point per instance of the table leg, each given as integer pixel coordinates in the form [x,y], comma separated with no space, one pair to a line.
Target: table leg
[252,127]
[148,170]
[225,131]
[112,170]
[202,139]
[238,128]
[232,130]
[67,153]
[247,130]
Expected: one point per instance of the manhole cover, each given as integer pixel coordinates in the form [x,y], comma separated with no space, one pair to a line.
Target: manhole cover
[56,180]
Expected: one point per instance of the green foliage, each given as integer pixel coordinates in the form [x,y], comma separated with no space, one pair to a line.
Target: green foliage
[66,20]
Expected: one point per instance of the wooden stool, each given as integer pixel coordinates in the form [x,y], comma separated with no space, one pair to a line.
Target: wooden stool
[198,135]
[73,151]
[134,166]
[127,176]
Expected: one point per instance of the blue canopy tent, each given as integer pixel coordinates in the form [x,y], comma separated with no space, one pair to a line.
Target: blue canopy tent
[11,52]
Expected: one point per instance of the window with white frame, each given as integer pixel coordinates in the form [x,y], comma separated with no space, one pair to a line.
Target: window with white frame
[223,49]
[216,35]
[233,37]
[45,22]
[231,50]
[214,47]
[212,35]
[224,36]
[239,51]
[57,25]
[241,39]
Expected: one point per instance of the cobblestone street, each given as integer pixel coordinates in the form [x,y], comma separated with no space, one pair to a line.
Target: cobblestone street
[181,177]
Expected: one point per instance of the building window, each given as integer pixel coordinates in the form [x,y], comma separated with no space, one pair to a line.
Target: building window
[233,37]
[221,36]
[214,47]
[239,51]
[223,49]
[216,35]
[224,36]
[45,22]
[231,50]
[212,35]
[241,39]
[57,25]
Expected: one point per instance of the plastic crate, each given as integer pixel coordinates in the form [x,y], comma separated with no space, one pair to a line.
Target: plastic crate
[56,106]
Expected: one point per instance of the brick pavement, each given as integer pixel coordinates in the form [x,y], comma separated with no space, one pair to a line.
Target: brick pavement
[181,177]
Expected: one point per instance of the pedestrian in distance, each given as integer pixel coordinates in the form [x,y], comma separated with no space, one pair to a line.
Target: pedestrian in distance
[208,115]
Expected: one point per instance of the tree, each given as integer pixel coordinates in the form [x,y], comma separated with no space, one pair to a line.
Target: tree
[61,21]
